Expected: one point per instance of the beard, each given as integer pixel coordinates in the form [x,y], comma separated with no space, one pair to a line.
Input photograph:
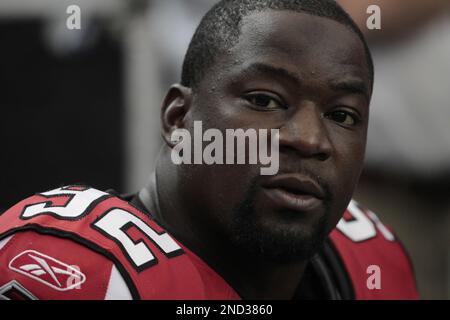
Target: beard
[284,240]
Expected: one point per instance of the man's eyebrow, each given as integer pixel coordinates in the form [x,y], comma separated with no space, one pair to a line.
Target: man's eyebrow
[351,86]
[274,71]
[356,86]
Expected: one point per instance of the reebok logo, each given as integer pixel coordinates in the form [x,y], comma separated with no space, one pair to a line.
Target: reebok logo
[47,270]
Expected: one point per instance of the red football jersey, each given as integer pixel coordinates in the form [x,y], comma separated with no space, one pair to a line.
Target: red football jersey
[77,242]
[375,260]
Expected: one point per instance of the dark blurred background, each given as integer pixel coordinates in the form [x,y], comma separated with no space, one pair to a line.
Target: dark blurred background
[61,118]
[83,106]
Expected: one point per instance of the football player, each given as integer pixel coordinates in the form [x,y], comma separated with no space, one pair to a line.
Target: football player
[226,231]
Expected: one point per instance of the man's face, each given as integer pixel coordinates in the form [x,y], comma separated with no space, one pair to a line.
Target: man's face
[308,77]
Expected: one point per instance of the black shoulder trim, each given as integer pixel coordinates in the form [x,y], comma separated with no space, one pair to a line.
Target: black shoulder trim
[339,271]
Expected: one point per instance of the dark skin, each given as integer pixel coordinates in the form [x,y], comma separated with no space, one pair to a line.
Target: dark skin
[304,75]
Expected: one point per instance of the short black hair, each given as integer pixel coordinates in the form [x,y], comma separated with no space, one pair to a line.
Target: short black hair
[220,29]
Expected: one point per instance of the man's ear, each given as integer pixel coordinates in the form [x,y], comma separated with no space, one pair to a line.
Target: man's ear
[175,106]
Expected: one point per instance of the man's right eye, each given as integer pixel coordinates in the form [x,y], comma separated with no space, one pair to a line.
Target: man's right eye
[264,101]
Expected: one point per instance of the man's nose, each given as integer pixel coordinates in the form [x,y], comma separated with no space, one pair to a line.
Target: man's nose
[305,132]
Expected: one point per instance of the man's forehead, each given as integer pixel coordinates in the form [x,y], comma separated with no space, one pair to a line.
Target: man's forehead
[303,42]
[276,26]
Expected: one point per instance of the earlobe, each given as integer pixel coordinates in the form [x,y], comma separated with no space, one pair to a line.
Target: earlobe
[175,106]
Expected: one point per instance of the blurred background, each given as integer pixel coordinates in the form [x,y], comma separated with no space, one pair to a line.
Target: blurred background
[82,106]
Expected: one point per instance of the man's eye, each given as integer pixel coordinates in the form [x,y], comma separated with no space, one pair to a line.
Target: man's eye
[343,117]
[264,101]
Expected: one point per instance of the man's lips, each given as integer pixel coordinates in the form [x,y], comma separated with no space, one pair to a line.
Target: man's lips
[294,192]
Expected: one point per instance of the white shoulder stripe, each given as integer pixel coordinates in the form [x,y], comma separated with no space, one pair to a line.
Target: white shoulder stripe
[5,241]
[117,288]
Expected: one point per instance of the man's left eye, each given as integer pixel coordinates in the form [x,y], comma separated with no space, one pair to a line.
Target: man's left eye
[264,101]
[343,117]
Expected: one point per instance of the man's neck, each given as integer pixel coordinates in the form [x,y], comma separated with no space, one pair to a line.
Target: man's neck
[251,277]
[150,199]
